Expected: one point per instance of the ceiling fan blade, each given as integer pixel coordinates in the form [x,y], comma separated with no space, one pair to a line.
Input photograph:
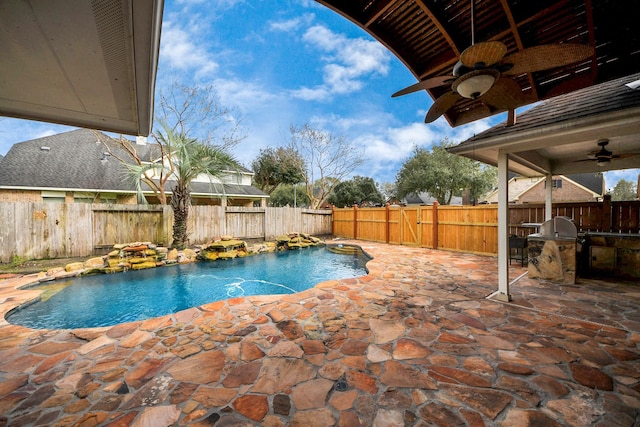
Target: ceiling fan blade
[441,106]
[485,53]
[547,56]
[425,84]
[505,95]
[624,155]
[608,158]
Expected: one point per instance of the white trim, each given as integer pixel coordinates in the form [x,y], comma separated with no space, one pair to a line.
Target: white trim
[503,227]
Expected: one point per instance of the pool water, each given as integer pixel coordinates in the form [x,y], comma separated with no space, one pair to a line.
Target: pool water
[106,300]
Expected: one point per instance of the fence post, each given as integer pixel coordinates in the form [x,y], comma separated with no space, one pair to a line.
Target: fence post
[435,224]
[605,222]
[355,222]
[386,221]
[333,222]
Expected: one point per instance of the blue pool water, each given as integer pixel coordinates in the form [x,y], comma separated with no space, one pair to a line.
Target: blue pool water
[106,300]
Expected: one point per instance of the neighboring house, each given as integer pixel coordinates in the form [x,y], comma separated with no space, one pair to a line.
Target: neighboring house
[426,199]
[586,187]
[76,167]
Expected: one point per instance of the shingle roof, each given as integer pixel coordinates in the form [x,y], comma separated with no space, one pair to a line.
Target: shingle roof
[600,99]
[70,160]
[592,181]
[427,199]
[77,160]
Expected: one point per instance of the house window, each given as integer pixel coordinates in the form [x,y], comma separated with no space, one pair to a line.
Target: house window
[53,196]
[232,179]
[556,183]
[95,198]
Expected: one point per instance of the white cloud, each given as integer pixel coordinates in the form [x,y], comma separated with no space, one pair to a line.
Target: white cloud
[247,96]
[347,63]
[293,24]
[319,93]
[182,52]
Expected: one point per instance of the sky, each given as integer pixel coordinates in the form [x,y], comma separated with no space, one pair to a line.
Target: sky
[294,62]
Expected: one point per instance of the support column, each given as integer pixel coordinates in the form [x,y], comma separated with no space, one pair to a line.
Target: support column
[503,228]
[548,197]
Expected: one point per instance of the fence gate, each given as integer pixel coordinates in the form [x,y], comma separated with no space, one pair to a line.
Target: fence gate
[410,226]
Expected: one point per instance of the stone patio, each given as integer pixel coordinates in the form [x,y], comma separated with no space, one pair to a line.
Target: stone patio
[415,342]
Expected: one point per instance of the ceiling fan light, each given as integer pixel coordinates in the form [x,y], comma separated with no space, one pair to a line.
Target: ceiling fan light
[476,83]
[603,162]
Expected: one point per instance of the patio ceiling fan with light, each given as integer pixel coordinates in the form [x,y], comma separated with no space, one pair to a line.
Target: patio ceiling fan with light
[484,72]
[603,156]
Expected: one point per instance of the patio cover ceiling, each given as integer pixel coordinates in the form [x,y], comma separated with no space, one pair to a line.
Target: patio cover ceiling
[560,135]
[428,36]
[82,63]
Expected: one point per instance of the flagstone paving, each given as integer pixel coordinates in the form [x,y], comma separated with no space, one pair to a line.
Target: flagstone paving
[415,342]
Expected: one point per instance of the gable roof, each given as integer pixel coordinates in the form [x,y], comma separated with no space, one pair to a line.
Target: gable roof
[78,160]
[69,160]
[518,185]
[591,181]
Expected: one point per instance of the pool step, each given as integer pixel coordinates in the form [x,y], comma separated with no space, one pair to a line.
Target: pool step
[345,249]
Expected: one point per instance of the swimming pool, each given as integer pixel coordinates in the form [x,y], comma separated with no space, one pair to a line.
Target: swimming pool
[106,300]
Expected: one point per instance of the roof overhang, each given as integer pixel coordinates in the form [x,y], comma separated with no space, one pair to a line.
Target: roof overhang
[557,136]
[81,63]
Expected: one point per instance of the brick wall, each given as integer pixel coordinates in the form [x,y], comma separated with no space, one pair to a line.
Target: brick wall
[569,192]
[20,196]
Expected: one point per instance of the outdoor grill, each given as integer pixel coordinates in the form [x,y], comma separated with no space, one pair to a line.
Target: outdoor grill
[552,251]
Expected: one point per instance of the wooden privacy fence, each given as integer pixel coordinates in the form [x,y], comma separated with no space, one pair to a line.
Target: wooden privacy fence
[606,216]
[474,229]
[457,228]
[56,230]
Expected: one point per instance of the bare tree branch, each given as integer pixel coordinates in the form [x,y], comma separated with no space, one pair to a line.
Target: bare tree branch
[329,159]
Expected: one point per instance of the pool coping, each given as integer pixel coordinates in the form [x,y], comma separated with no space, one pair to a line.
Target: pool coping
[25,296]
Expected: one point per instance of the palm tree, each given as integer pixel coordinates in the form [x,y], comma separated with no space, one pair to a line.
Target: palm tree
[187,159]
[182,160]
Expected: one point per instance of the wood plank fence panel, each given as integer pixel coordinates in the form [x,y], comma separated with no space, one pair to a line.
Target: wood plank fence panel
[625,217]
[127,223]
[427,238]
[40,230]
[245,223]
[316,222]
[590,217]
[343,220]
[371,224]
[44,230]
[206,223]
[395,234]
[78,219]
[279,221]
[8,232]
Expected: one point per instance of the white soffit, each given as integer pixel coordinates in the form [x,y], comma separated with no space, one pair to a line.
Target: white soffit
[86,63]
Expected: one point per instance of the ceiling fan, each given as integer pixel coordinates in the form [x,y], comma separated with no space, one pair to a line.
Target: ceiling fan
[484,72]
[603,156]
